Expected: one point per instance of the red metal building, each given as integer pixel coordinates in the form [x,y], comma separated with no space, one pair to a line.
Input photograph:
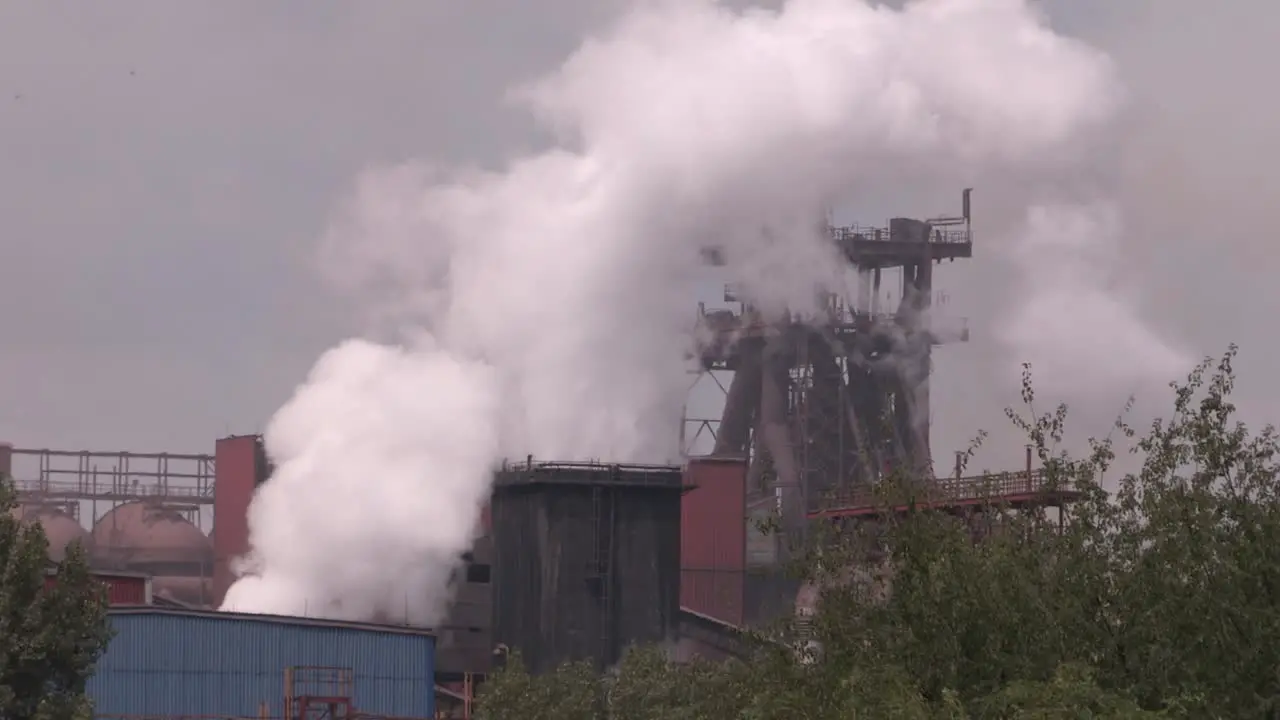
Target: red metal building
[123,588]
[239,466]
[713,538]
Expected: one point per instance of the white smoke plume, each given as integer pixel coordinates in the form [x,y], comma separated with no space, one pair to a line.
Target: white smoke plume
[1081,330]
[545,308]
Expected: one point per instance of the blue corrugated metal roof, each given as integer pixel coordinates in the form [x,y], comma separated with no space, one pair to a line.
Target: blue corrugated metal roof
[180,662]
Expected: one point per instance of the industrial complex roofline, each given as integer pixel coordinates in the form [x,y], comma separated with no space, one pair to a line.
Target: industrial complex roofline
[589,473]
[585,465]
[902,241]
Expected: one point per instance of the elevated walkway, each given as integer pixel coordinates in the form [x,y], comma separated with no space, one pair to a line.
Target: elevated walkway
[1017,490]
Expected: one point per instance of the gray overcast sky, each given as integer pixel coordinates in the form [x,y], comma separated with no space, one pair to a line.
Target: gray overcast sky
[166,170]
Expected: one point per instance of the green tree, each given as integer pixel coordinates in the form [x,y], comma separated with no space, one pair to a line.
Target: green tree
[1159,599]
[1072,693]
[51,638]
[1163,588]
[571,692]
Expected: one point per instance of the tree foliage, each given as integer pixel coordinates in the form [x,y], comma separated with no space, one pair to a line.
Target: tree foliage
[50,638]
[1160,598]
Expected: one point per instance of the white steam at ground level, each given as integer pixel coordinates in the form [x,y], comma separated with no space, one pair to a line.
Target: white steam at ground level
[544,309]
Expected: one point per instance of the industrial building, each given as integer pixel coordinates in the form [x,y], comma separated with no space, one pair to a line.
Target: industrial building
[122,588]
[586,560]
[577,560]
[824,408]
[713,539]
[133,512]
[166,662]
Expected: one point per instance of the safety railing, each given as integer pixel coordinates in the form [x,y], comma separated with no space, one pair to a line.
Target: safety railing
[945,236]
[117,476]
[943,491]
[57,489]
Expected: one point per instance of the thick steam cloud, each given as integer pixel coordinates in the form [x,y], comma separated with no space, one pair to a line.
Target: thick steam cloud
[546,308]
[1072,308]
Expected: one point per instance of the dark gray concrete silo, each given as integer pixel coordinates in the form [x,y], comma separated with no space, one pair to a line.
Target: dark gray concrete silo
[586,560]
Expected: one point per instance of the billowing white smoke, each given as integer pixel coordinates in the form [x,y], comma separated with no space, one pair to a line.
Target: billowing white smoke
[544,309]
[1081,330]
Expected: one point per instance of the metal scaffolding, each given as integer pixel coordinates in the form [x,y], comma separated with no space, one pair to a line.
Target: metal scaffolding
[67,477]
[827,405]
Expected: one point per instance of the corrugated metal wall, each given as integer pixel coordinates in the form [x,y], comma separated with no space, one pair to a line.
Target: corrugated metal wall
[165,662]
[713,538]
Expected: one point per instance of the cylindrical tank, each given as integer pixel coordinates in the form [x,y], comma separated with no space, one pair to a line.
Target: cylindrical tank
[586,560]
[155,539]
[60,529]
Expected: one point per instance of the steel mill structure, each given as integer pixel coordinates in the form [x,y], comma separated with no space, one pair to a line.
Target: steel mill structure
[575,560]
[133,512]
[819,409]
[586,559]
[826,405]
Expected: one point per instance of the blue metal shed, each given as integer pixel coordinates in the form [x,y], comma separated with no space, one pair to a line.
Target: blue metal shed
[192,662]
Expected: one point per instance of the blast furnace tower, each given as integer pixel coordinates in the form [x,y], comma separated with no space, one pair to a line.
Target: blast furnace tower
[824,407]
[586,560]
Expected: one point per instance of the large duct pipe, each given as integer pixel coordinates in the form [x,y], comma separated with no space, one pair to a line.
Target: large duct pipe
[734,436]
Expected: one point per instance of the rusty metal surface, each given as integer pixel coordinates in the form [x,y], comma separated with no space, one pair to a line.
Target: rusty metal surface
[61,528]
[143,532]
[713,538]
[238,472]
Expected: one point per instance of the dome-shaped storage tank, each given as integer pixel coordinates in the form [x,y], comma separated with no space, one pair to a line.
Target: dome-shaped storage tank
[60,529]
[152,538]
